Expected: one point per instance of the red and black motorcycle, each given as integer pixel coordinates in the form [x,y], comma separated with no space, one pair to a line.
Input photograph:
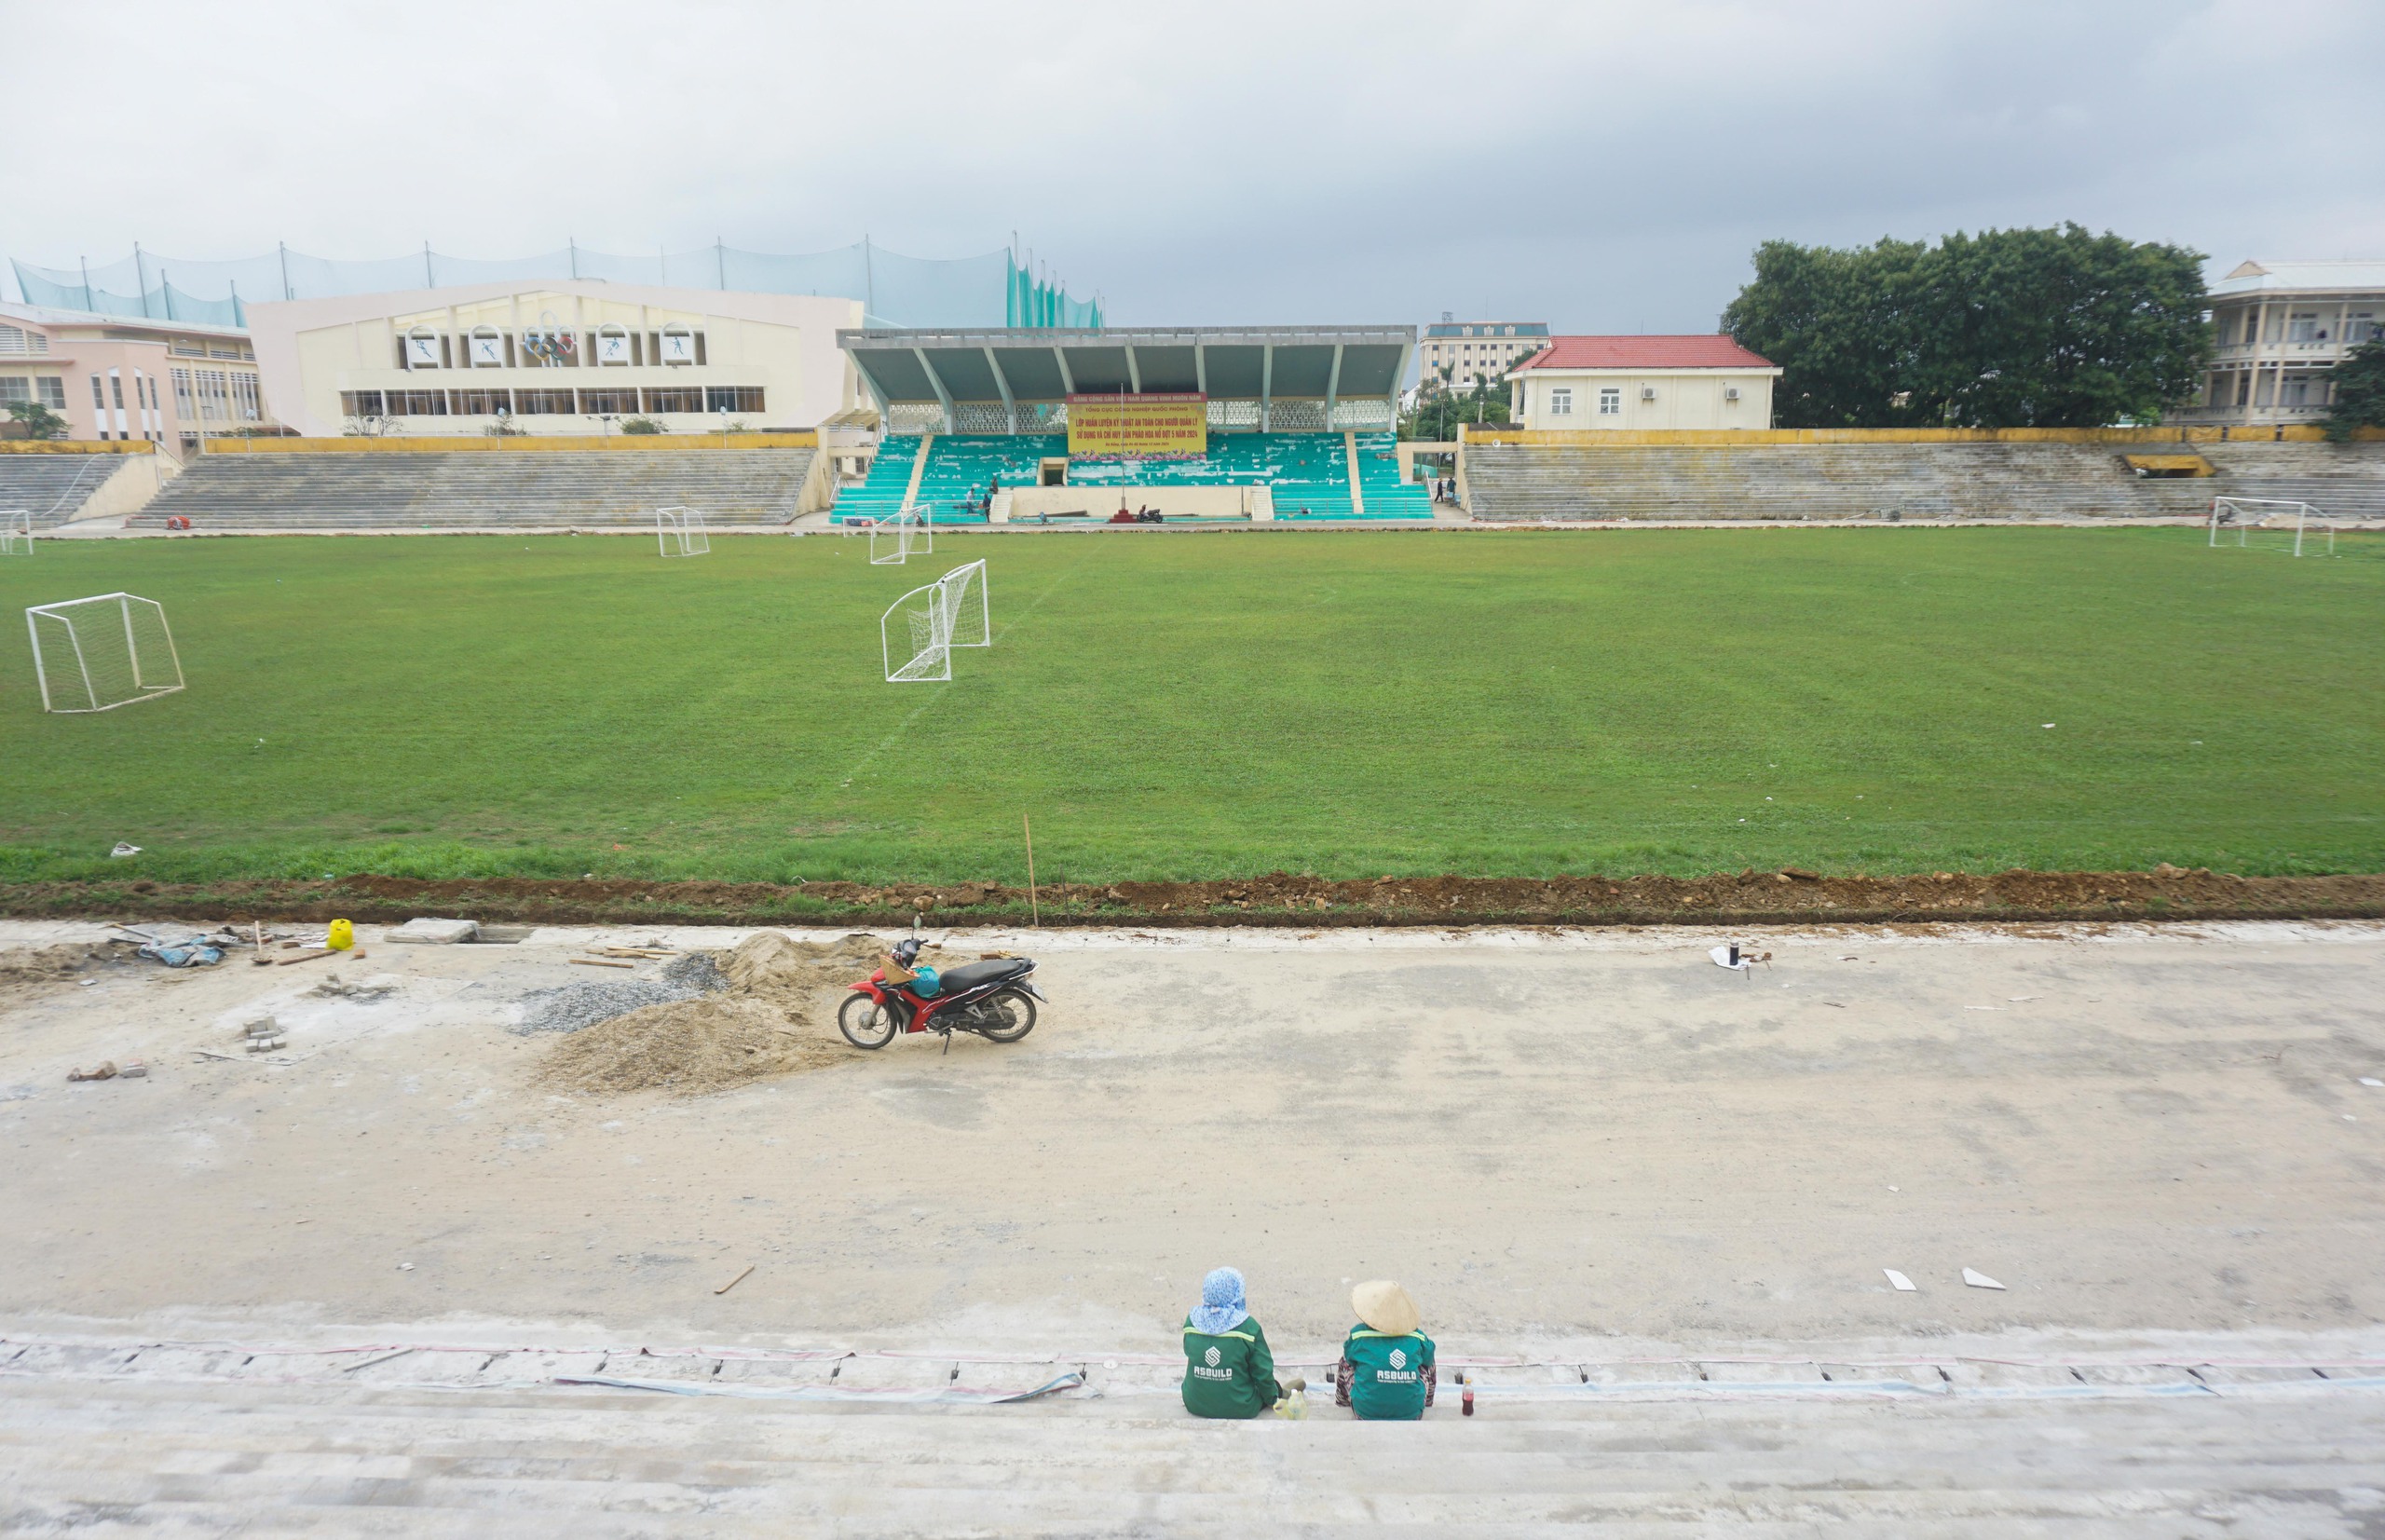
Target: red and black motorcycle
[992,998]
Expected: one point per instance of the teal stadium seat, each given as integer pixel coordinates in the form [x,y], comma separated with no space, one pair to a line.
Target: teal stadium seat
[1309,474]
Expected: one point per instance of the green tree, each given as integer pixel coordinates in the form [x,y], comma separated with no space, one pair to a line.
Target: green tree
[640,425]
[2360,391]
[39,420]
[2054,328]
[1440,408]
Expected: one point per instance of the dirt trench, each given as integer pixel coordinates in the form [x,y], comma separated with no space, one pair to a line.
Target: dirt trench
[1749,897]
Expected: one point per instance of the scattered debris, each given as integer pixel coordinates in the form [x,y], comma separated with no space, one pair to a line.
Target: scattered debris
[425,932]
[1979,1280]
[105,1071]
[311,953]
[1896,1280]
[1731,955]
[133,1069]
[264,1035]
[735,1281]
[123,850]
[601,963]
[2366,1080]
[373,986]
[188,950]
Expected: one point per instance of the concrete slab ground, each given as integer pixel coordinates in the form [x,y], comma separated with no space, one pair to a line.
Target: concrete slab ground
[1594,1155]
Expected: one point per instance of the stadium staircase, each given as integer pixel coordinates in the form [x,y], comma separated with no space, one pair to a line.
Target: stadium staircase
[484,489]
[1790,481]
[54,487]
[2343,481]
[1309,474]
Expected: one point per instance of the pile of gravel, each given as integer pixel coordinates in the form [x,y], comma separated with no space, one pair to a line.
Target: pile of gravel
[569,1007]
[698,970]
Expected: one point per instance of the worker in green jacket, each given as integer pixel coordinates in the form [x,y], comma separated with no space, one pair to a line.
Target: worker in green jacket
[1227,1371]
[1387,1371]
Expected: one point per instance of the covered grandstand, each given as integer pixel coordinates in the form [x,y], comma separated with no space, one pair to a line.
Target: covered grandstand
[1239,424]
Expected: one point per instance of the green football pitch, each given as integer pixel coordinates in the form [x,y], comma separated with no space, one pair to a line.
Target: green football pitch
[1215,706]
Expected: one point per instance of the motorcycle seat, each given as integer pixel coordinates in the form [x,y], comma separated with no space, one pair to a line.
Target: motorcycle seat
[971,976]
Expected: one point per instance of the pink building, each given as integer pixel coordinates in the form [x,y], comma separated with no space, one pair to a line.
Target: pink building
[123,378]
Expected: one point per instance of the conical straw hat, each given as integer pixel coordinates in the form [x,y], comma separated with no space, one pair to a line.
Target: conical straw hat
[1386,1307]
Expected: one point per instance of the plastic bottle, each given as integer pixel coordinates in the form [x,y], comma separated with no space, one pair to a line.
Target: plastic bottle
[1293,1407]
[1466,1402]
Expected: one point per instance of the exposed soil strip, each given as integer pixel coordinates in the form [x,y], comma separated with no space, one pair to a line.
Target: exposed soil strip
[1749,897]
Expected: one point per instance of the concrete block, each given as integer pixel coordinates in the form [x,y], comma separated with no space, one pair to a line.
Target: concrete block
[424,932]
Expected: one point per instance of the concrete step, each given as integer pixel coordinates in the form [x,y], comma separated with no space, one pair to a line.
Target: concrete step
[123,1457]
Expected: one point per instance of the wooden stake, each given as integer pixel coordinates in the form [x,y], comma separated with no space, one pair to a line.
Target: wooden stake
[734,1282]
[1034,910]
[600,962]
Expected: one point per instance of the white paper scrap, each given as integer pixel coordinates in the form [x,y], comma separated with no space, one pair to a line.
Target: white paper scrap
[1979,1280]
[2365,1081]
[1902,1284]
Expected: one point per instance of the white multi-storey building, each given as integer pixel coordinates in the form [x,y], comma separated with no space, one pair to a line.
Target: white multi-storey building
[2282,328]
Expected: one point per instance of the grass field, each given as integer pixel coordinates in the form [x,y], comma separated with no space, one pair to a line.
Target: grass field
[1347,704]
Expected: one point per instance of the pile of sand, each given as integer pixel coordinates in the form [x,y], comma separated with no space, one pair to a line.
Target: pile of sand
[687,1047]
[38,971]
[776,1016]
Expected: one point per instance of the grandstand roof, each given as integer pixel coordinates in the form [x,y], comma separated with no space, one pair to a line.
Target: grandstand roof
[2307,276]
[1698,351]
[1040,364]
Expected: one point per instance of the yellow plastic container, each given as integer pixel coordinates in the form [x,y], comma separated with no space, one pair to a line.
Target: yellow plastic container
[341,936]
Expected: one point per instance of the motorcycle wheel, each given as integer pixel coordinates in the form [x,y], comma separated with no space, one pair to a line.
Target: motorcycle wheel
[865,1023]
[1017,1011]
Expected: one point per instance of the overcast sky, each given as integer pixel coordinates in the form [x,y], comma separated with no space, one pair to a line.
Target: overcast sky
[1605,167]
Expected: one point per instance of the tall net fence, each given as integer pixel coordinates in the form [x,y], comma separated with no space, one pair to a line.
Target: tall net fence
[896,290]
[102,653]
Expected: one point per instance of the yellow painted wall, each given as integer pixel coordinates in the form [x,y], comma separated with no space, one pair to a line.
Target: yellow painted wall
[74,446]
[461,444]
[1616,439]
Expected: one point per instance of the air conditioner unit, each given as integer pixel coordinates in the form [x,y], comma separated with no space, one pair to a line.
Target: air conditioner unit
[1647,392]
[1730,392]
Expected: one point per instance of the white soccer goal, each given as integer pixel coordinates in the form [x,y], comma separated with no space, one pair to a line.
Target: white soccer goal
[16,532]
[923,626]
[895,540]
[681,532]
[2271,524]
[99,653]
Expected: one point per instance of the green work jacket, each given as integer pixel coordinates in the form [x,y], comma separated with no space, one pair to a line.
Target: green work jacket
[1228,1373]
[1387,1373]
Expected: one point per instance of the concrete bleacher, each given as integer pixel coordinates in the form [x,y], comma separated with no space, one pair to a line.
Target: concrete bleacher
[1308,474]
[1907,481]
[52,487]
[484,489]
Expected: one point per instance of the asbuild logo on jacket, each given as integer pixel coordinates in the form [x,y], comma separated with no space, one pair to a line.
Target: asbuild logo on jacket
[1207,1367]
[1398,1373]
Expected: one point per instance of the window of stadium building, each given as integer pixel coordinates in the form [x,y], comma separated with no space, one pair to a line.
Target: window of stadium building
[352,403]
[674,401]
[482,404]
[618,402]
[1611,402]
[1561,403]
[733,397]
[544,404]
[417,403]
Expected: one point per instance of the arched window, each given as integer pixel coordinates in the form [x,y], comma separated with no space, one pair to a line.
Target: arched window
[486,349]
[422,350]
[677,342]
[612,345]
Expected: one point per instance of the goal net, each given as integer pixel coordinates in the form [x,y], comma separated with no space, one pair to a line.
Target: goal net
[681,532]
[2272,523]
[895,540]
[923,626]
[16,532]
[102,653]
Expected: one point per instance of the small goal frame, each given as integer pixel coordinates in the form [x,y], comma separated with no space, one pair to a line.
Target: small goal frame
[2246,514]
[684,529]
[895,540]
[954,611]
[16,531]
[86,627]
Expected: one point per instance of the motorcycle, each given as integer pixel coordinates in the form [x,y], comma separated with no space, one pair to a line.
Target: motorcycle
[992,998]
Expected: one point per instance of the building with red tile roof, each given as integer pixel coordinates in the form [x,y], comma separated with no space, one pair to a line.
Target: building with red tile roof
[1642,382]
